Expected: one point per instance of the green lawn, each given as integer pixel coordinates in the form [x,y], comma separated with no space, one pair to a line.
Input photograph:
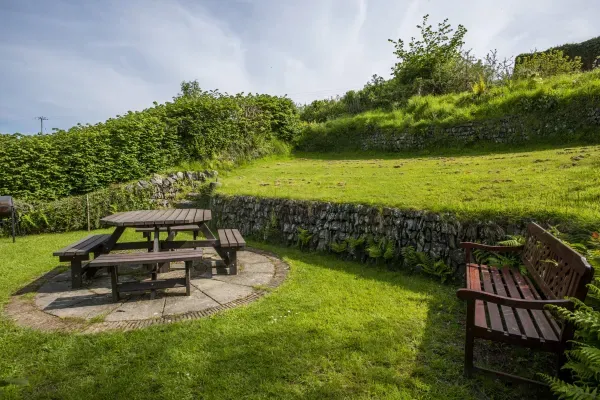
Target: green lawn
[560,184]
[333,330]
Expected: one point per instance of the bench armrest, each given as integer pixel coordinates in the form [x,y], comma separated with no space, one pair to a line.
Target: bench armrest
[470,295]
[470,245]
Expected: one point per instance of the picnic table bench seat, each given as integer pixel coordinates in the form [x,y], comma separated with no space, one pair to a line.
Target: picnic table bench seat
[114,260]
[147,232]
[230,241]
[507,306]
[79,252]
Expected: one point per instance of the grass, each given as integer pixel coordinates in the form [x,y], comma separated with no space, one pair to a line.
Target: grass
[563,100]
[559,185]
[333,330]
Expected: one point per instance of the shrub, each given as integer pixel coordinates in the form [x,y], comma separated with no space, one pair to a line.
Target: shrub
[543,65]
[197,125]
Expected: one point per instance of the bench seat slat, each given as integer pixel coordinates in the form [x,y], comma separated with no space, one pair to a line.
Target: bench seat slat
[524,317]
[176,228]
[83,246]
[492,309]
[223,238]
[238,236]
[231,238]
[509,316]
[106,260]
[538,315]
[474,282]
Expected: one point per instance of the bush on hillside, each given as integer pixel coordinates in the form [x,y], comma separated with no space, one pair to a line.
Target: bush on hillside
[588,51]
[196,125]
[544,65]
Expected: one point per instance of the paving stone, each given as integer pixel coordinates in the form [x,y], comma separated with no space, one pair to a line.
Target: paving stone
[246,278]
[221,291]
[138,307]
[180,303]
[251,258]
[266,267]
[62,277]
[89,308]
[100,285]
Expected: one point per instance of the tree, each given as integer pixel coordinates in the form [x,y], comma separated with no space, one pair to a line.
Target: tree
[426,66]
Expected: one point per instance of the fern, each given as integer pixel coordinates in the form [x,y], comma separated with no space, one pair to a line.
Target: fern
[418,260]
[389,250]
[512,241]
[339,247]
[304,237]
[584,357]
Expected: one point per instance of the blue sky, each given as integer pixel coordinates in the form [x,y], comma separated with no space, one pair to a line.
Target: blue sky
[85,61]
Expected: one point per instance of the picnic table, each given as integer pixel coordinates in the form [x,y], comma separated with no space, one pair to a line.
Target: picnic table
[160,253]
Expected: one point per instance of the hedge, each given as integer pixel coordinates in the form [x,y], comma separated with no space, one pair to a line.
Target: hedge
[84,158]
[588,51]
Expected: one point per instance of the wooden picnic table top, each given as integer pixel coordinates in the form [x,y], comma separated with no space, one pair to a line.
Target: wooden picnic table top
[158,218]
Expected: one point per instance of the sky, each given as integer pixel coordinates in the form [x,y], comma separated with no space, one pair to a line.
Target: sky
[85,61]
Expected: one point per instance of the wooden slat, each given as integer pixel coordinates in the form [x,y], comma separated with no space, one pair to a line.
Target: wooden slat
[84,246]
[239,238]
[62,251]
[232,240]
[538,315]
[167,217]
[474,283]
[493,311]
[156,219]
[509,318]
[106,260]
[188,244]
[207,215]
[524,317]
[177,215]
[223,238]
[144,216]
[550,318]
[122,218]
[111,217]
[188,217]
[146,285]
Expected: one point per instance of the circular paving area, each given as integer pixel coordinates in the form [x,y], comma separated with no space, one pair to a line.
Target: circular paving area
[49,303]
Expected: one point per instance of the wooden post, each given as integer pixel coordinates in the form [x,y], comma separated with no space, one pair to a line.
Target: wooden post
[13,221]
[87,203]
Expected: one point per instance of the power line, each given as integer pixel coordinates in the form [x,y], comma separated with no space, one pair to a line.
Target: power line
[42,119]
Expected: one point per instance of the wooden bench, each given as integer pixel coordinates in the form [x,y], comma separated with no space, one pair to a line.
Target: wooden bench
[114,260]
[230,241]
[506,306]
[147,232]
[79,252]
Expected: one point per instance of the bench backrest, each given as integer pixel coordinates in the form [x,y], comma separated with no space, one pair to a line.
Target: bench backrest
[558,270]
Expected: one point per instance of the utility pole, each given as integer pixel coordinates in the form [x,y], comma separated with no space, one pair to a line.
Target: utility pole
[42,119]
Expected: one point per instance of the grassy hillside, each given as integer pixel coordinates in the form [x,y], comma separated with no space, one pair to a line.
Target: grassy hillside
[562,185]
[564,99]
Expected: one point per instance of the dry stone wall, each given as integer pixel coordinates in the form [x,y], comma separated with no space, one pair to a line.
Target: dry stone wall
[511,129]
[439,235]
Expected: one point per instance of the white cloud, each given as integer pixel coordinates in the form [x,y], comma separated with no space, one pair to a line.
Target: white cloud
[87,63]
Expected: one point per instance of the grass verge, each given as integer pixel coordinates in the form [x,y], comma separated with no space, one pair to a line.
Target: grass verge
[333,330]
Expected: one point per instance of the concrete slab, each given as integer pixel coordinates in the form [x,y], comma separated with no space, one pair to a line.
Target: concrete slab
[87,309]
[264,267]
[251,258]
[137,308]
[222,292]
[246,278]
[179,303]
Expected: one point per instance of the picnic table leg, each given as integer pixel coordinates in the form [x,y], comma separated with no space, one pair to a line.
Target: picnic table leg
[76,281]
[114,281]
[156,249]
[166,267]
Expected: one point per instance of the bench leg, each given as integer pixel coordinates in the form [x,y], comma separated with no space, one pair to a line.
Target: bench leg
[114,281]
[233,262]
[76,281]
[188,271]
[469,338]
